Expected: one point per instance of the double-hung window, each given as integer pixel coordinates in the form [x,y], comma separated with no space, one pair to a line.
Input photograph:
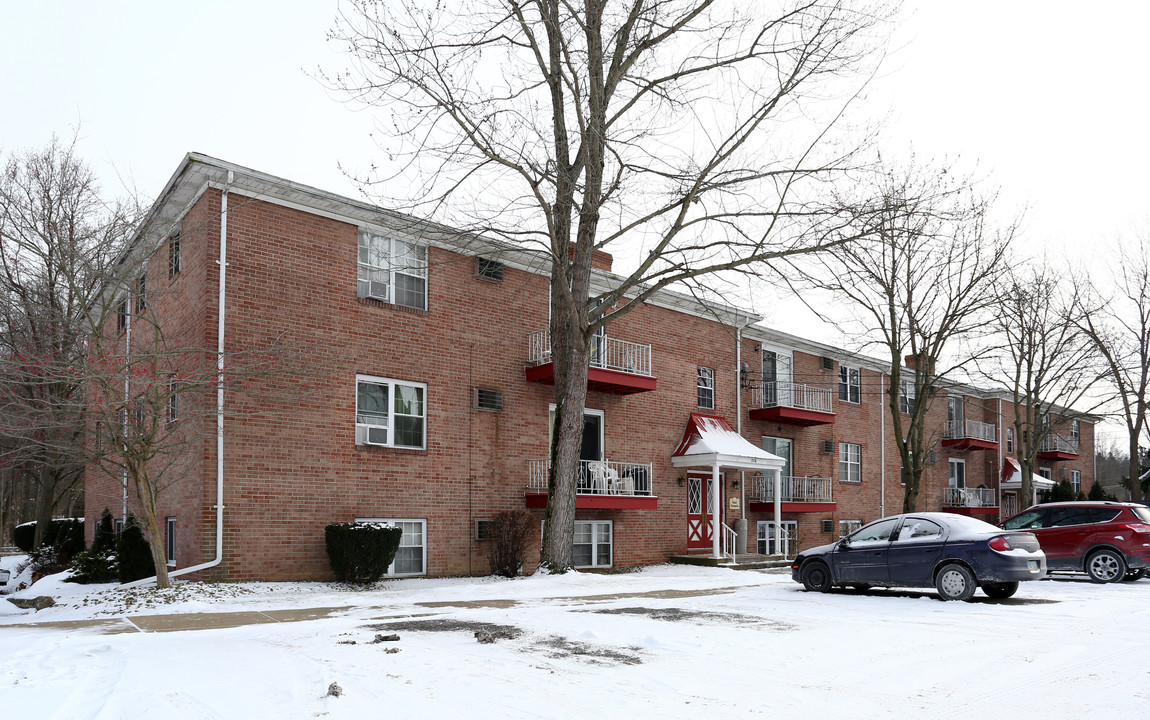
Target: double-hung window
[1075,432]
[411,557]
[592,543]
[850,462]
[392,270]
[706,388]
[1076,480]
[1009,440]
[850,386]
[391,413]
[906,396]
[171,544]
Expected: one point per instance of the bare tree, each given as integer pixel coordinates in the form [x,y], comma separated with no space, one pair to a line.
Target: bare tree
[1118,324]
[680,128]
[1047,359]
[918,287]
[57,236]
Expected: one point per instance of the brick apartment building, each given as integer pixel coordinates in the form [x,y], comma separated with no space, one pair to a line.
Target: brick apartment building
[433,409]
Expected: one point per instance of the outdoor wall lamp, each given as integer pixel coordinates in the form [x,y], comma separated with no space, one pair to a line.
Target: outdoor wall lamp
[681,481]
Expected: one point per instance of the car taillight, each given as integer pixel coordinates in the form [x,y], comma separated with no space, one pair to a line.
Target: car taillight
[1136,527]
[1000,544]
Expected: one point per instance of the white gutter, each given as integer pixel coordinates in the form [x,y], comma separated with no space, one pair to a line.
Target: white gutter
[219,506]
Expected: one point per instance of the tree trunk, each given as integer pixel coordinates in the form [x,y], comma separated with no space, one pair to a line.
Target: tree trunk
[1135,470]
[45,490]
[151,529]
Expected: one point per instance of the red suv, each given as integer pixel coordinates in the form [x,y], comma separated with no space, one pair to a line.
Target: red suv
[1109,541]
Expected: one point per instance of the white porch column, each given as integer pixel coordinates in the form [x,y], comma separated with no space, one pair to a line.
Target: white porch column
[717,525]
[778,508]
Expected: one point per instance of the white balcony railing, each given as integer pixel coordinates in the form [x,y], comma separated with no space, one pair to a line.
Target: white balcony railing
[971,429]
[598,477]
[793,395]
[969,497]
[606,353]
[1057,443]
[791,489]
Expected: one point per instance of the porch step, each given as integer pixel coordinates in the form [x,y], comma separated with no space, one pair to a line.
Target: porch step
[748,561]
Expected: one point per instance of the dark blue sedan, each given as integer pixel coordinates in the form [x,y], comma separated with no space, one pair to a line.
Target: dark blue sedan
[954,554]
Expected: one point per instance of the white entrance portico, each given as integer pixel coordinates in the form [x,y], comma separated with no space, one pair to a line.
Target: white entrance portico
[710,442]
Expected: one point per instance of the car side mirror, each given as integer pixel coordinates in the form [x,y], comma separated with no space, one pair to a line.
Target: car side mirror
[845,544]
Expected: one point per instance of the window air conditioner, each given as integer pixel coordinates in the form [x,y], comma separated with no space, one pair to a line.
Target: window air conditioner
[370,435]
[371,289]
[828,447]
[828,363]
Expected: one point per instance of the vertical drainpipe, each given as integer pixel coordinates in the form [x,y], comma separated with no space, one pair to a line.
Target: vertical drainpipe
[127,396]
[998,467]
[219,506]
[882,448]
[739,415]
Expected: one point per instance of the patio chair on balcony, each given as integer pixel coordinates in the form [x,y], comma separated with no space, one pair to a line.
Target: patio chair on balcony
[604,478]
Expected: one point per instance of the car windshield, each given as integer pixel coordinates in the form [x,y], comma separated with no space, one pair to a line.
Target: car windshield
[1025,521]
[878,531]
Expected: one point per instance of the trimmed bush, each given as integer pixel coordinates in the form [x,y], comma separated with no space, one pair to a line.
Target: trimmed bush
[134,558]
[98,563]
[361,552]
[509,533]
[64,534]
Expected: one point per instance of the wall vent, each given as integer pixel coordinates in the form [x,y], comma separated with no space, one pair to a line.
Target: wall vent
[828,526]
[828,363]
[488,270]
[828,447]
[487,399]
[483,529]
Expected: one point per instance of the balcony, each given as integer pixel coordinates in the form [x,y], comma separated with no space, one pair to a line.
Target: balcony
[797,494]
[970,501]
[1056,447]
[602,484]
[792,403]
[970,435]
[617,367]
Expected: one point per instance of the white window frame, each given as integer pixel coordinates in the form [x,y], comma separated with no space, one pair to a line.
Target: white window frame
[846,527]
[595,525]
[602,415]
[846,386]
[1046,473]
[173,400]
[952,476]
[764,537]
[392,384]
[390,261]
[170,542]
[906,396]
[394,522]
[1010,440]
[1076,480]
[705,384]
[1075,432]
[846,462]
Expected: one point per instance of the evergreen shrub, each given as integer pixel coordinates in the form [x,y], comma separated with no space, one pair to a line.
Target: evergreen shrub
[361,552]
[97,564]
[133,556]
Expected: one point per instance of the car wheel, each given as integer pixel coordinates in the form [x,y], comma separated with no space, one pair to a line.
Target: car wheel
[817,576]
[1105,566]
[955,582]
[1000,590]
[1132,575]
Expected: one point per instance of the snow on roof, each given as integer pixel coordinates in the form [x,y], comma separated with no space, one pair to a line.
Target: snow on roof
[708,440]
[1012,476]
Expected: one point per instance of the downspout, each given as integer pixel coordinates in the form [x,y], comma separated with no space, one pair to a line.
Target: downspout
[739,414]
[882,450]
[998,467]
[127,399]
[219,506]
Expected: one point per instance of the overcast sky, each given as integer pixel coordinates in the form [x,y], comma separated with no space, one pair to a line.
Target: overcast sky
[1050,102]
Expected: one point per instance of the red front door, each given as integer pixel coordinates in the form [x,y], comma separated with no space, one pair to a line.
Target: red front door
[700,521]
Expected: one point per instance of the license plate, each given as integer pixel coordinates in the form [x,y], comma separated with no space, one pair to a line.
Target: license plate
[1032,565]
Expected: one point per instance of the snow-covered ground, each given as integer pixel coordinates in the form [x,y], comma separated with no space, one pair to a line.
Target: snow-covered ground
[670,641]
